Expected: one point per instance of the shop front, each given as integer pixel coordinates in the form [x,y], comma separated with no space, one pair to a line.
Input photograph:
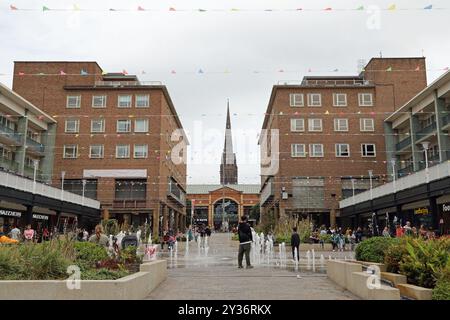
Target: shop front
[11,218]
[444,218]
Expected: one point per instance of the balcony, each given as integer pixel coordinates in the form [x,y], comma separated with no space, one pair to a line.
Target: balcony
[426,131]
[10,134]
[119,84]
[29,172]
[267,192]
[176,192]
[8,164]
[446,120]
[405,171]
[403,144]
[35,146]
[129,204]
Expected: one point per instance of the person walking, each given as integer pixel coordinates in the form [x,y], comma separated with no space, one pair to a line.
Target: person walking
[245,240]
[15,233]
[99,237]
[295,244]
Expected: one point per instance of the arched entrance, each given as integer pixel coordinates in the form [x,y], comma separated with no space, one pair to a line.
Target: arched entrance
[226,214]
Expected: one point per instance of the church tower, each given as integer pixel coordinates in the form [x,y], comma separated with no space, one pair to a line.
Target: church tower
[228,167]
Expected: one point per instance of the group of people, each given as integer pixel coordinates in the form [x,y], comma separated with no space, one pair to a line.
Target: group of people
[408,230]
[28,234]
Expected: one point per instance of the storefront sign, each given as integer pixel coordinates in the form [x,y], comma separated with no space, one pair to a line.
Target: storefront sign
[10,213]
[40,217]
[421,211]
[446,207]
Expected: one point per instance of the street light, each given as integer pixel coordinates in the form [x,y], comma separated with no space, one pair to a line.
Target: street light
[425,146]
[393,162]
[63,174]
[84,187]
[370,177]
[36,164]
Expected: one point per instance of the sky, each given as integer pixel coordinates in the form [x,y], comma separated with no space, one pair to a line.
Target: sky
[225,54]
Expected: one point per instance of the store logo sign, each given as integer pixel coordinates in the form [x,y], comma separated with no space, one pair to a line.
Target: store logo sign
[10,213]
[421,211]
[446,207]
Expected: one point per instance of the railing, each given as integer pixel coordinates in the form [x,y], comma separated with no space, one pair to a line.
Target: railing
[9,133]
[129,204]
[127,83]
[426,131]
[35,145]
[267,192]
[437,172]
[446,120]
[325,82]
[24,184]
[29,172]
[9,164]
[403,144]
[405,171]
[176,192]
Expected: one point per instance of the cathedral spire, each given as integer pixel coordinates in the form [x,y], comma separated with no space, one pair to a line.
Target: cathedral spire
[228,168]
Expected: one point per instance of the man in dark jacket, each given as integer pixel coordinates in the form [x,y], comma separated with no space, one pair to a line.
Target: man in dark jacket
[245,242]
[295,243]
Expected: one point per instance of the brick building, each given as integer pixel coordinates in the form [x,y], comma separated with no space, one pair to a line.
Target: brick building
[331,137]
[113,140]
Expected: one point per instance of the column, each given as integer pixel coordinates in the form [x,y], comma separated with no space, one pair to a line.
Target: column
[443,139]
[46,163]
[155,227]
[22,127]
[435,213]
[165,220]
[211,215]
[417,154]
[176,221]
[240,211]
[333,217]
[80,221]
[391,150]
[28,217]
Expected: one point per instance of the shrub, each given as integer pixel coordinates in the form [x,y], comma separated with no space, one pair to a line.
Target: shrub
[103,274]
[442,289]
[374,249]
[326,238]
[129,256]
[88,254]
[394,255]
[235,237]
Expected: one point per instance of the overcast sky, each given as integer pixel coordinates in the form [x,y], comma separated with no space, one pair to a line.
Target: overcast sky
[228,47]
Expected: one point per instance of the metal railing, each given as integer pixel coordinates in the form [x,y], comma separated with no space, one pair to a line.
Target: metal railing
[29,172]
[9,164]
[405,171]
[127,83]
[267,192]
[33,144]
[9,133]
[130,204]
[403,144]
[426,131]
[326,83]
[446,120]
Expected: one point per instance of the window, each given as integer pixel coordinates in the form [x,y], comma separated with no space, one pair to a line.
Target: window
[296,100]
[123,126]
[297,125]
[33,135]
[131,189]
[72,125]
[98,125]
[314,99]
[6,122]
[339,99]
[315,124]
[342,150]
[99,101]
[140,151]
[141,125]
[96,151]
[76,186]
[122,151]
[73,101]
[316,150]
[365,99]
[340,124]
[367,124]
[368,150]
[70,151]
[142,100]
[124,101]
[298,150]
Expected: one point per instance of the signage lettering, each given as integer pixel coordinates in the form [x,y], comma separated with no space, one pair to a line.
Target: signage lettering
[421,211]
[446,207]
[10,213]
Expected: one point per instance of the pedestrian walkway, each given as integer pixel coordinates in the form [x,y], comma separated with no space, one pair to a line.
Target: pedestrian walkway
[213,274]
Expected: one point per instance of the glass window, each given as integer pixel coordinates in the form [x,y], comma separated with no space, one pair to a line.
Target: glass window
[131,189]
[72,125]
[123,126]
[368,150]
[98,125]
[316,150]
[297,125]
[70,151]
[124,101]
[342,150]
[298,150]
[314,99]
[340,124]
[140,151]
[96,151]
[76,186]
[141,125]
[339,99]
[99,101]
[365,99]
[142,100]
[73,102]
[122,151]
[315,124]
[367,124]
[296,100]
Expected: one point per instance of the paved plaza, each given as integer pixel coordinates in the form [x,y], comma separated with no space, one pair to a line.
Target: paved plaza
[213,274]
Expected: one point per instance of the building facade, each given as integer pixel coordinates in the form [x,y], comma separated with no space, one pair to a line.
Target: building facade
[118,140]
[417,158]
[327,136]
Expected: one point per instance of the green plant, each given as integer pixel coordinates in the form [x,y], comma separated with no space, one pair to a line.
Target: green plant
[88,254]
[103,274]
[326,238]
[374,249]
[442,289]
[394,255]
[129,256]
[235,237]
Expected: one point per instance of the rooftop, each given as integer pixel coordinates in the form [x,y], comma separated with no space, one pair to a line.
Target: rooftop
[207,188]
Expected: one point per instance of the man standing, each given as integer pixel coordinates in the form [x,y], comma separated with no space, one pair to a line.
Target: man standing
[295,244]
[15,233]
[245,240]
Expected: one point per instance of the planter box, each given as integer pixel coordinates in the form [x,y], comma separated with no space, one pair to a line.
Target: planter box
[362,290]
[415,292]
[133,287]
[395,278]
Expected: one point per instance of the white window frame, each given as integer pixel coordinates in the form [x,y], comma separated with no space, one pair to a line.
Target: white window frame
[311,125]
[294,125]
[128,151]
[336,102]
[337,122]
[102,151]
[338,150]
[67,146]
[296,100]
[103,96]
[136,97]
[77,126]
[130,103]
[363,127]
[128,124]
[103,125]
[140,131]
[295,153]
[145,151]
[311,149]
[311,100]
[78,102]
[364,150]
[362,101]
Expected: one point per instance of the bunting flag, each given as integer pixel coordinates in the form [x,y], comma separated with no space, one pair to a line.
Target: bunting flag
[44,8]
[141,9]
[13,7]
[76,7]
[83,72]
[124,72]
[104,72]
[428,7]
[392,7]
[200,71]
[418,68]
[360,8]
[389,69]
[21,73]
[201,10]
[173,72]
[328,9]
[62,73]
[172,9]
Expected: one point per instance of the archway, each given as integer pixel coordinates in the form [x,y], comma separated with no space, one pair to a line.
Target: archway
[226,214]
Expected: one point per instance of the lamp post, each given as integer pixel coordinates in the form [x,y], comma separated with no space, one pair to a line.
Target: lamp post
[84,188]
[35,164]
[63,174]
[370,177]
[425,146]
[393,162]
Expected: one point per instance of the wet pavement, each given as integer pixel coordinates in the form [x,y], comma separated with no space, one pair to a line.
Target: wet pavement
[211,273]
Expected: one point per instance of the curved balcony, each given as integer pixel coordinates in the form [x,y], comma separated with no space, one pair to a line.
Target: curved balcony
[403,144]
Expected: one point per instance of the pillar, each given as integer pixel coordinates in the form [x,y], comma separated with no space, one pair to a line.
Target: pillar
[176,221]
[22,128]
[434,211]
[155,226]
[333,217]
[46,163]
[417,154]
[211,215]
[165,216]
[28,215]
[442,137]
[390,148]
[80,221]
